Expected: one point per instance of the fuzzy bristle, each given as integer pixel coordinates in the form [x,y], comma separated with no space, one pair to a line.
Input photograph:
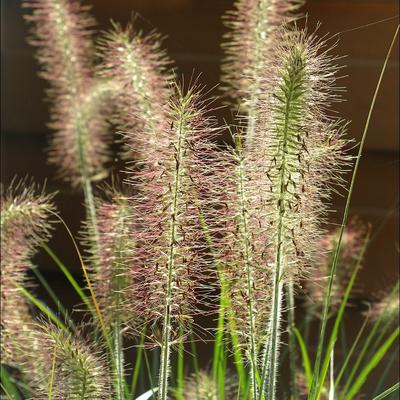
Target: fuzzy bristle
[169,259]
[386,308]
[25,214]
[80,370]
[62,33]
[111,259]
[248,41]
[140,66]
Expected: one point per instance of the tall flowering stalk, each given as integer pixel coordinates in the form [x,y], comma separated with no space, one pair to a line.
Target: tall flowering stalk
[140,66]
[169,257]
[299,151]
[247,43]
[25,214]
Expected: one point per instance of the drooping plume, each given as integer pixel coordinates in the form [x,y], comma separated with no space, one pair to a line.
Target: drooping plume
[25,214]
[249,39]
[62,33]
[80,370]
[168,257]
[349,251]
[140,66]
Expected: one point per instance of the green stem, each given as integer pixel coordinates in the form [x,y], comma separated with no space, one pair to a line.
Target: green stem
[292,339]
[166,332]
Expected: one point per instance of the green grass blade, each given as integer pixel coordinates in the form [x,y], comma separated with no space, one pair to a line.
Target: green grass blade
[69,276]
[367,344]
[138,363]
[305,356]
[321,341]
[385,373]
[8,386]
[180,370]
[5,392]
[43,308]
[350,353]
[339,317]
[51,293]
[362,377]
[387,392]
[52,373]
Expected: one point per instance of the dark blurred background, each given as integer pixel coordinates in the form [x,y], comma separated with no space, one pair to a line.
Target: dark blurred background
[194,30]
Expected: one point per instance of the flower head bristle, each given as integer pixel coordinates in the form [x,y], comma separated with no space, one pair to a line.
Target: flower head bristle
[111,260]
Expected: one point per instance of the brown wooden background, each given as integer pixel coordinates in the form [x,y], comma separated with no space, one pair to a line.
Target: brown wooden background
[194,30]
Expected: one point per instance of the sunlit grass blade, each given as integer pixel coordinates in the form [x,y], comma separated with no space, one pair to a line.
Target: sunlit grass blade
[44,309]
[359,382]
[321,340]
[304,355]
[69,276]
[387,392]
[385,373]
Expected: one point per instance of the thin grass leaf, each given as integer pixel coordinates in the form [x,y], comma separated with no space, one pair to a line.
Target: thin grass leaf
[305,356]
[387,392]
[6,392]
[138,363]
[52,374]
[359,382]
[350,353]
[321,340]
[385,373]
[52,294]
[339,317]
[44,309]
[69,276]
[148,394]
[7,385]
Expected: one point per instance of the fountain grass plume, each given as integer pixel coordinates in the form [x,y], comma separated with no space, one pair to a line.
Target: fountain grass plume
[140,66]
[249,38]
[300,150]
[79,370]
[62,33]
[25,223]
[169,259]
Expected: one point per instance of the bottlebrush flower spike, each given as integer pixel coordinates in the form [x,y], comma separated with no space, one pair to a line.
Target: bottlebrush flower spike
[111,260]
[62,33]
[249,39]
[25,214]
[350,248]
[80,371]
[139,65]
[298,152]
[168,258]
